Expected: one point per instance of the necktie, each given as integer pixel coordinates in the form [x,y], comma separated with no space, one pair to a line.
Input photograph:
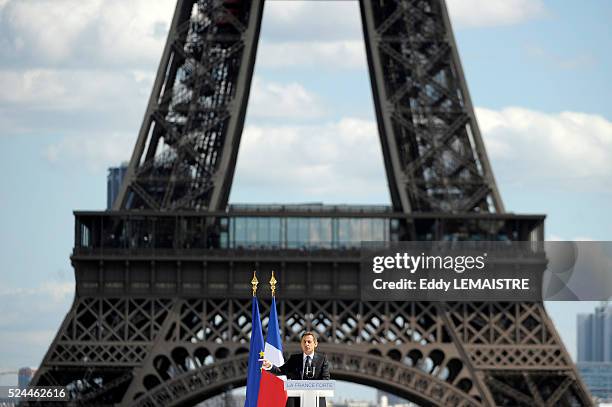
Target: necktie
[307,366]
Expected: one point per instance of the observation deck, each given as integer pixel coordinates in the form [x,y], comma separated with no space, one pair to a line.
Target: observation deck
[196,253]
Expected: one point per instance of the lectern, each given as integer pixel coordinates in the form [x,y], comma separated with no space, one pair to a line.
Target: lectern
[309,391]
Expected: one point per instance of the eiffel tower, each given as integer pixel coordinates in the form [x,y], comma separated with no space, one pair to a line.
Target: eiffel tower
[161,315]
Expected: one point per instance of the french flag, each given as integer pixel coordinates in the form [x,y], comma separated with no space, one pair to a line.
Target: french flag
[271,388]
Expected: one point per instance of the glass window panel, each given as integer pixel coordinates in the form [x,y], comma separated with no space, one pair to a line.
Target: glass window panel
[240,231]
[276,236]
[292,233]
[263,231]
[303,232]
[326,232]
[251,231]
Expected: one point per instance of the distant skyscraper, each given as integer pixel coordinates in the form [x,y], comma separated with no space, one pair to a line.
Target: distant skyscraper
[595,335]
[113,183]
[595,351]
[24,376]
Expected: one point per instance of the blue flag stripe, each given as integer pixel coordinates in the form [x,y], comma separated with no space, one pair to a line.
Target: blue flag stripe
[256,346]
[274,338]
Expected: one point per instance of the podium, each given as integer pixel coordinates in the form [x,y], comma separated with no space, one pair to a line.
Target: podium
[309,391]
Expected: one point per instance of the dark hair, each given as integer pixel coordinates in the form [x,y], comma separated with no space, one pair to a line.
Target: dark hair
[314,336]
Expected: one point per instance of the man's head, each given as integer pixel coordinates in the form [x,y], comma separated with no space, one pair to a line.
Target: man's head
[309,343]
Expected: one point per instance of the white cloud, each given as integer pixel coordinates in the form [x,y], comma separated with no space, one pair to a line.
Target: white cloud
[25,346]
[116,33]
[32,86]
[53,89]
[23,341]
[131,34]
[486,13]
[58,291]
[334,162]
[48,28]
[275,100]
[322,54]
[73,32]
[311,21]
[95,152]
[556,61]
[27,338]
[570,150]
[55,291]
[566,149]
[300,21]
[72,102]
[30,318]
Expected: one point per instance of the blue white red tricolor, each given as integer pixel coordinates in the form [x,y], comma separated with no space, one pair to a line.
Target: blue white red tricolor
[263,388]
[271,388]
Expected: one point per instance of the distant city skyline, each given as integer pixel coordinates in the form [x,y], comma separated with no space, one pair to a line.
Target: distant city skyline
[594,359]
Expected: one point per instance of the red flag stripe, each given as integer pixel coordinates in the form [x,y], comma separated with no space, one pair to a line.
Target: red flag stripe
[271,391]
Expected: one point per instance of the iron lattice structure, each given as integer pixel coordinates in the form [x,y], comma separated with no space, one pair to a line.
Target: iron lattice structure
[161,314]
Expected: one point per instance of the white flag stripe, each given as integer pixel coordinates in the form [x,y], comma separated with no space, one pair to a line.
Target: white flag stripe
[273,355]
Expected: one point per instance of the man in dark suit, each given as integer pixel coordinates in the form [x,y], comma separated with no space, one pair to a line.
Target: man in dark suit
[307,365]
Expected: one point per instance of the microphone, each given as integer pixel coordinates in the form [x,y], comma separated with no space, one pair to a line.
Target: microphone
[309,370]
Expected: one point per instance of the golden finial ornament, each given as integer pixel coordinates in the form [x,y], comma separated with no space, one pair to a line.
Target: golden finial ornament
[273,283]
[254,283]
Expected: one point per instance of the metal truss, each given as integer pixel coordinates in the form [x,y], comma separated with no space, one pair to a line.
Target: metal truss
[186,149]
[169,351]
[434,154]
[159,318]
[185,154]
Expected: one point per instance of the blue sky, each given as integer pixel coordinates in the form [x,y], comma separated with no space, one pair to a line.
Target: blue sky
[75,77]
